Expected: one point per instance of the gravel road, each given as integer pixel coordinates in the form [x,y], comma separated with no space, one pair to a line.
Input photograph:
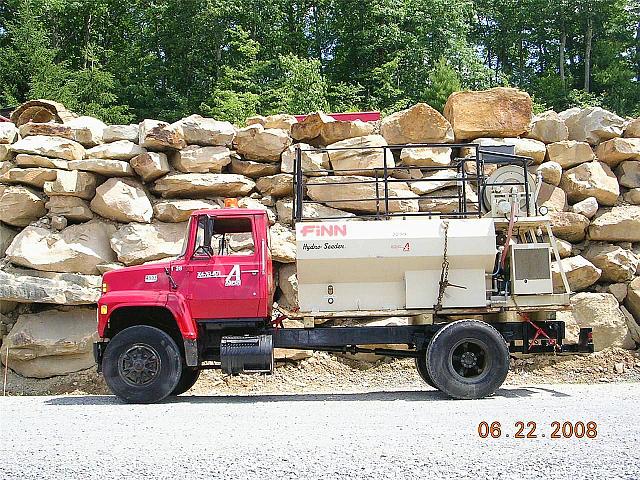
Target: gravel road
[404,434]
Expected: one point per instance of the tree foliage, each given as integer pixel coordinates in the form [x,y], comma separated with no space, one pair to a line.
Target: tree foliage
[127,60]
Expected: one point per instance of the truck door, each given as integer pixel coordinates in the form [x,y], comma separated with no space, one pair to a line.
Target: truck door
[224,280]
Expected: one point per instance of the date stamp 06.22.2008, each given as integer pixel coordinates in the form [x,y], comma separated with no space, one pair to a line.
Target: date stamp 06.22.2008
[532,430]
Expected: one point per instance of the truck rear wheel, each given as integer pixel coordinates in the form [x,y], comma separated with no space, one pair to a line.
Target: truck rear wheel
[142,364]
[423,371]
[187,380]
[468,359]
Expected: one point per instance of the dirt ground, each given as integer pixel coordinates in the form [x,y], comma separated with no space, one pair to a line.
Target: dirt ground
[324,373]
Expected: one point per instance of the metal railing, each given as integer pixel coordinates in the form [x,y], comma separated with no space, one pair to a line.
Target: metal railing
[383,177]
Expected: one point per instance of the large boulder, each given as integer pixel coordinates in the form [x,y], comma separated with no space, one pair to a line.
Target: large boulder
[359,153]
[569,153]
[123,201]
[288,283]
[359,194]
[321,129]
[115,133]
[32,177]
[41,111]
[55,147]
[52,342]
[632,196]
[433,181]
[252,169]
[51,129]
[601,312]
[181,185]
[425,156]
[632,129]
[87,131]
[632,302]
[33,286]
[156,135]
[587,207]
[279,185]
[569,226]
[5,152]
[74,183]
[526,147]
[6,237]
[581,273]
[282,243]
[418,124]
[280,120]
[74,209]
[629,174]
[446,201]
[78,248]
[151,165]
[137,243]
[617,264]
[620,224]
[119,150]
[27,160]
[264,145]
[207,131]
[284,207]
[254,204]
[498,112]
[594,125]
[313,163]
[177,211]
[617,150]
[194,159]
[101,166]
[592,179]
[553,198]
[19,206]
[551,172]
[548,127]
[8,133]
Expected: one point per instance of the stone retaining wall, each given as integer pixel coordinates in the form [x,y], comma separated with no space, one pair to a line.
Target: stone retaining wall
[79,198]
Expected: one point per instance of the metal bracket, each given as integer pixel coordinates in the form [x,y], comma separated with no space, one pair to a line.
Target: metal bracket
[191,352]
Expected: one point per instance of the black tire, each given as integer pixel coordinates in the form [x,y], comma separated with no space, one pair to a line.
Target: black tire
[468,359]
[423,371]
[187,380]
[142,364]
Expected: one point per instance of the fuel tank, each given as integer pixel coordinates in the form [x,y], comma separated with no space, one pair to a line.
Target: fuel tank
[393,264]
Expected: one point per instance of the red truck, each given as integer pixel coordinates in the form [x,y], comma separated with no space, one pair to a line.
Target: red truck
[212,307]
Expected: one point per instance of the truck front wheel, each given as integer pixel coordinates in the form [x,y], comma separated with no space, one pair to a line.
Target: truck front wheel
[468,359]
[142,364]
[188,379]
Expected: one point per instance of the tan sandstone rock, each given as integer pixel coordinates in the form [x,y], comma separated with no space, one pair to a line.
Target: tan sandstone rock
[632,302]
[419,124]
[629,174]
[321,129]
[498,112]
[633,129]
[177,211]
[102,166]
[137,243]
[279,185]
[632,196]
[73,183]
[283,121]
[78,248]
[425,157]
[5,152]
[548,127]
[525,147]
[151,165]
[73,209]
[33,286]
[581,273]
[181,185]
[553,198]
[283,244]
[8,133]
[551,172]
[33,177]
[194,159]
[434,181]
[253,204]
[26,160]
[51,129]
[357,154]
[592,179]
[587,207]
[119,150]
[569,226]
[594,125]
[19,205]
[288,283]
[257,143]
[617,150]
[313,163]
[123,201]
[52,342]
[114,133]
[6,237]
[156,135]
[329,190]
[55,147]
[569,153]
[620,224]
[87,131]
[252,169]
[207,131]
[616,263]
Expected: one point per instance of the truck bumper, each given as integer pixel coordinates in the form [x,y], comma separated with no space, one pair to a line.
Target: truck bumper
[98,353]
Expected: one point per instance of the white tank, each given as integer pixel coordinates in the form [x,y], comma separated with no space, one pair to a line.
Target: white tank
[392,264]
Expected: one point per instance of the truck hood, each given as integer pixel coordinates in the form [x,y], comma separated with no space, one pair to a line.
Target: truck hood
[142,277]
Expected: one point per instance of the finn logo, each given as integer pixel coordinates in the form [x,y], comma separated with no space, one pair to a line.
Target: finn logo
[324,230]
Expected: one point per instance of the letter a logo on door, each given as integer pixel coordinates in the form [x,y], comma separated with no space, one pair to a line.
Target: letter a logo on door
[233,279]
